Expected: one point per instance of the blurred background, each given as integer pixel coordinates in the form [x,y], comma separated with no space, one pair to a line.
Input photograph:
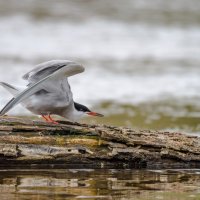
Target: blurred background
[142,57]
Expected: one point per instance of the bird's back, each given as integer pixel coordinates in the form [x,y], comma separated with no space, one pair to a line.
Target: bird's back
[47,87]
[54,94]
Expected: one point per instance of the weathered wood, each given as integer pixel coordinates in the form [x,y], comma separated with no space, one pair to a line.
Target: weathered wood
[37,144]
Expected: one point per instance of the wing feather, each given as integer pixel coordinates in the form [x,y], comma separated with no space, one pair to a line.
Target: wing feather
[44,69]
[67,71]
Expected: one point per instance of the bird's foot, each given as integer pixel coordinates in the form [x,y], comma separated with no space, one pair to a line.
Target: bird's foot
[52,120]
[49,119]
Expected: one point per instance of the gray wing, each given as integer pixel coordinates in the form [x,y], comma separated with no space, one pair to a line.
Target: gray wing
[45,69]
[68,70]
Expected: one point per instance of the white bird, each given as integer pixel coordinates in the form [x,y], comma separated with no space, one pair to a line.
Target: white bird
[48,92]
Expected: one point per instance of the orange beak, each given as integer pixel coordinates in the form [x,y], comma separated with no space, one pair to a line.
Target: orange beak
[94,114]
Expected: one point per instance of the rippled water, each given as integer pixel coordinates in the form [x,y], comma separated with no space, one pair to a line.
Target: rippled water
[141,57]
[99,184]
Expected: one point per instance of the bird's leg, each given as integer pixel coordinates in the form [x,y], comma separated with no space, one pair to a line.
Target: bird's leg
[49,119]
[52,120]
[45,117]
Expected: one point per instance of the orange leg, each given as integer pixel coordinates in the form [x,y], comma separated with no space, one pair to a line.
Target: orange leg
[52,120]
[49,119]
[45,117]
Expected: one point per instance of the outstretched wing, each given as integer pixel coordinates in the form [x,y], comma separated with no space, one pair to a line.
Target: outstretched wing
[68,70]
[45,69]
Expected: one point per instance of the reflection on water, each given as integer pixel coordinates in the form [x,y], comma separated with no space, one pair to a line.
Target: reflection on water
[99,184]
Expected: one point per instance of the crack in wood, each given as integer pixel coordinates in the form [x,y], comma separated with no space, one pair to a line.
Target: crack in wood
[68,143]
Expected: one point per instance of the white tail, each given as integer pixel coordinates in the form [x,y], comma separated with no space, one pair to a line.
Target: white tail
[13,90]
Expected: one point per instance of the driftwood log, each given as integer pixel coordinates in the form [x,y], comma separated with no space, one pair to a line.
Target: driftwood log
[36,144]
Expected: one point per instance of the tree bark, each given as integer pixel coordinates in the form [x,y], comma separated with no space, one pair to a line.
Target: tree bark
[36,144]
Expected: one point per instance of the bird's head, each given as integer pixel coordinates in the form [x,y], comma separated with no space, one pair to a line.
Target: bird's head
[81,109]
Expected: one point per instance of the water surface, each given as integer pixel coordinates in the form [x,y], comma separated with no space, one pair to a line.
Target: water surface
[99,184]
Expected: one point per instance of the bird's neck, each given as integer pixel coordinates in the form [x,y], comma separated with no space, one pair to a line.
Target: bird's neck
[72,114]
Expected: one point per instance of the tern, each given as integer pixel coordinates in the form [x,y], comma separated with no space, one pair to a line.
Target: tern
[48,92]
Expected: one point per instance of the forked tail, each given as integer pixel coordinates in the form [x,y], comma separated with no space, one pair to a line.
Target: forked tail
[13,90]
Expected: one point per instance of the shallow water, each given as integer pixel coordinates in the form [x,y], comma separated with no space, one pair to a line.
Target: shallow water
[99,184]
